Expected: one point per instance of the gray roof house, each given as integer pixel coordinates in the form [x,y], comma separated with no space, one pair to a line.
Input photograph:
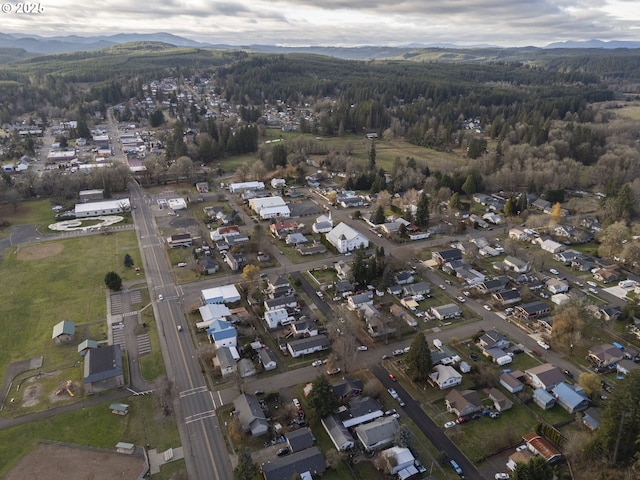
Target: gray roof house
[377,434]
[308,345]
[511,383]
[543,399]
[267,359]
[361,410]
[250,414]
[63,331]
[545,376]
[420,288]
[340,436]
[298,463]
[443,312]
[300,439]
[225,360]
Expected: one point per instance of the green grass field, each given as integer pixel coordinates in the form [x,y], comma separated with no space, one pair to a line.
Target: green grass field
[48,282]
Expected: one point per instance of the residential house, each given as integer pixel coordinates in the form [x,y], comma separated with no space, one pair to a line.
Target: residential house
[63,332]
[532,311]
[445,312]
[103,369]
[245,186]
[347,388]
[343,286]
[404,277]
[541,204]
[420,288]
[510,382]
[279,287]
[323,224]
[360,410]
[445,376]
[308,345]
[345,238]
[607,275]
[304,327]
[552,246]
[591,418]
[300,439]
[543,399]
[234,260]
[609,313]
[545,376]
[570,398]
[246,368]
[221,233]
[287,301]
[507,297]
[443,256]
[378,434]
[494,339]
[226,361]
[469,276]
[566,256]
[518,234]
[500,402]
[463,402]
[397,459]
[207,265]
[307,463]
[339,435]
[267,359]
[492,217]
[222,334]
[350,201]
[315,249]
[250,415]
[356,301]
[278,183]
[583,264]
[282,229]
[555,285]
[343,270]
[541,446]
[604,355]
[276,317]
[296,239]
[515,264]
[494,285]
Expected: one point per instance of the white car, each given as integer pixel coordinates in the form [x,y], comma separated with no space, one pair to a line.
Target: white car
[461,299]
[449,424]
[487,308]
[182,264]
[316,363]
[319,293]
[502,476]
[160,298]
[442,287]
[554,271]
[398,352]
[296,402]
[363,348]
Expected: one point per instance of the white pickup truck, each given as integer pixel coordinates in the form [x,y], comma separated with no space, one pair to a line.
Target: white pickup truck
[393,393]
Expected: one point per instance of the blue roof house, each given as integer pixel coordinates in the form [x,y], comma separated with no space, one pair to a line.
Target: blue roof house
[543,399]
[222,334]
[569,398]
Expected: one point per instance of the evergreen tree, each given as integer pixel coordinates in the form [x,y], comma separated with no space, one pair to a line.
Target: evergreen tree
[422,210]
[454,202]
[379,217]
[469,186]
[321,399]
[113,281]
[246,468]
[419,358]
[128,261]
[403,437]
[536,469]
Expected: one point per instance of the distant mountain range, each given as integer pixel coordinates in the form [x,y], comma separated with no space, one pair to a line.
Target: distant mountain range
[38,45]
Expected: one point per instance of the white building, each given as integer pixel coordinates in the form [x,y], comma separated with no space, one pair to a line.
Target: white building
[223,294]
[177,204]
[270,207]
[244,186]
[97,209]
[278,183]
[276,317]
[346,239]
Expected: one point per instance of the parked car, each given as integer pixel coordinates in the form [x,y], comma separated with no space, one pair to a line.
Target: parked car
[392,392]
[487,308]
[455,467]
[388,413]
[502,476]
[461,299]
[283,451]
[449,424]
[160,298]
[319,293]
[466,293]
[554,271]
[494,414]
[536,352]
[385,357]
[568,373]
[400,401]
[179,328]
[398,352]
[296,402]
[442,287]
[257,393]
[182,264]
[333,371]
[463,419]
[363,348]
[316,363]
[474,356]
[517,351]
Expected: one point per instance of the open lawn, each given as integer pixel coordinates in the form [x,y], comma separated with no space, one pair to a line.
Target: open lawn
[59,280]
[144,424]
[37,213]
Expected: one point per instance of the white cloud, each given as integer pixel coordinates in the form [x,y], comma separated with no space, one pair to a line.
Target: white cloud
[343,22]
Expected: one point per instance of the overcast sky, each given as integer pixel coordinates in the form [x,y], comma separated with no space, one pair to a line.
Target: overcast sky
[339,22]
